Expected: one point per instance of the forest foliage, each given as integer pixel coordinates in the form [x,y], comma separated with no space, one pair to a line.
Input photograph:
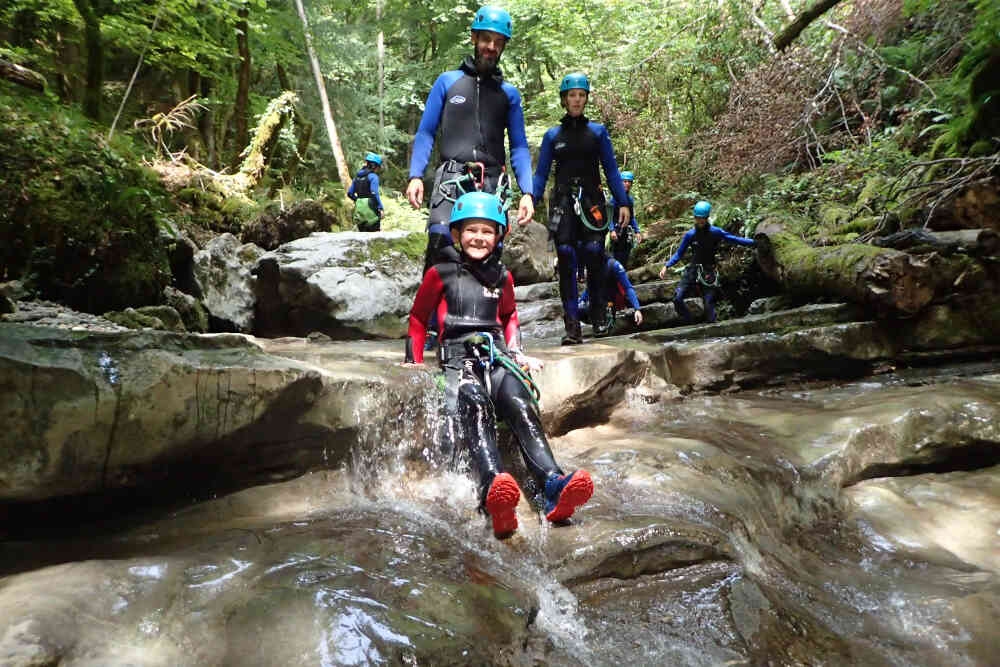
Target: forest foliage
[860,110]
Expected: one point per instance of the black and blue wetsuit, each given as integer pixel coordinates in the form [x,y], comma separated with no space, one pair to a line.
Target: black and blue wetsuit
[622,247]
[472,111]
[365,186]
[618,289]
[577,145]
[701,271]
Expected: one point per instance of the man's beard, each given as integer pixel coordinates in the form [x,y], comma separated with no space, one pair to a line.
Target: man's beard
[485,64]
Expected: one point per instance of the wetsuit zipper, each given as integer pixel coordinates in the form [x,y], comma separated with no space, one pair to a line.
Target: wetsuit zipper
[479,122]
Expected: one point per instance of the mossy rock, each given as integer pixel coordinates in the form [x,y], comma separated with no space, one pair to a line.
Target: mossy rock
[79,216]
[167,315]
[133,319]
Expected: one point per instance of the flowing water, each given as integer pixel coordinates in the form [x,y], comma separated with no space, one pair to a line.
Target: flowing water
[737,529]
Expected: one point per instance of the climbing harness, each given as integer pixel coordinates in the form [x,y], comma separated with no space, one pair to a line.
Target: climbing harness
[467,182]
[707,278]
[591,212]
[487,354]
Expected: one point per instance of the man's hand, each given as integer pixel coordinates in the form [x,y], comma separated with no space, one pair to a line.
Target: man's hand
[415,192]
[638,318]
[663,272]
[638,238]
[624,217]
[525,209]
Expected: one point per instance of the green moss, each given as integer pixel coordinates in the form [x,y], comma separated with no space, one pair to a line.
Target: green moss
[413,246]
[79,219]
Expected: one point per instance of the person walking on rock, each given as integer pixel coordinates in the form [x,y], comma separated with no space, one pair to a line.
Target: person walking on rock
[364,193]
[470,109]
[484,367]
[625,237]
[576,204]
[704,240]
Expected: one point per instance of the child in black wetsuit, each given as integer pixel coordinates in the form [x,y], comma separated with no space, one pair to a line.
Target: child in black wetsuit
[472,294]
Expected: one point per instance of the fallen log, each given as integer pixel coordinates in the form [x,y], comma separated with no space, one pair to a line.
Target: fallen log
[883,279]
[978,242]
[21,75]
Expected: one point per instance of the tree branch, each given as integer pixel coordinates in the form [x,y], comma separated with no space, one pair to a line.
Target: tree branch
[807,16]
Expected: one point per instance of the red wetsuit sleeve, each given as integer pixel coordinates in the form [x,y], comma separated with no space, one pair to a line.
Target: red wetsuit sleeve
[507,313]
[424,307]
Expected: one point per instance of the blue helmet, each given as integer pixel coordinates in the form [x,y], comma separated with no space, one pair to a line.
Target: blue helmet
[574,80]
[494,19]
[374,157]
[479,205]
[628,176]
[702,209]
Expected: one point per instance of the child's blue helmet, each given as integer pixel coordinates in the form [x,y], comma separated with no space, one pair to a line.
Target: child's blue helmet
[374,157]
[628,176]
[479,205]
[574,80]
[494,19]
[702,209]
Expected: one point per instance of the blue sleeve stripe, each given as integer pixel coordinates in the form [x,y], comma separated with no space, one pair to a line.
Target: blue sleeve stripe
[544,164]
[608,161]
[423,141]
[520,154]
[683,246]
[373,180]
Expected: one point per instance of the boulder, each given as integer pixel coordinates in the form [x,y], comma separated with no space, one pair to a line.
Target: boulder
[345,284]
[526,254]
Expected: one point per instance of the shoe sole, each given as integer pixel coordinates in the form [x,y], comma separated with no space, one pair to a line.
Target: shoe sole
[501,500]
[577,491]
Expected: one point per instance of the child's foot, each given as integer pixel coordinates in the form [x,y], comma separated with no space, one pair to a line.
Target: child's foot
[501,500]
[563,494]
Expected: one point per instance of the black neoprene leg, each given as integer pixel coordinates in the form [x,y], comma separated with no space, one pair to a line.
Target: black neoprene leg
[478,429]
[513,404]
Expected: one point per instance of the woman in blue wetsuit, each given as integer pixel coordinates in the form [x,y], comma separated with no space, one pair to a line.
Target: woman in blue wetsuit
[577,221]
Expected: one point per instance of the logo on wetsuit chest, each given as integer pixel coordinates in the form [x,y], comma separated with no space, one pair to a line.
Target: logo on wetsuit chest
[457,99]
[491,293]
[561,144]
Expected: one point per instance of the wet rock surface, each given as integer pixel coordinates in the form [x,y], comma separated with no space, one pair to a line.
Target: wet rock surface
[805,523]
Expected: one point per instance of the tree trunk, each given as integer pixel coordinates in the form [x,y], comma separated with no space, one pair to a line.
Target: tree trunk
[206,123]
[966,241]
[242,106]
[885,280]
[808,15]
[380,46]
[331,128]
[95,58]
[22,75]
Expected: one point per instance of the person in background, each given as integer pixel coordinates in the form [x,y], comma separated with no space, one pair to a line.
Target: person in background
[484,366]
[577,207]
[704,240]
[364,193]
[618,291]
[625,237]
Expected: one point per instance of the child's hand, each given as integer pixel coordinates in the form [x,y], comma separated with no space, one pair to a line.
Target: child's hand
[531,363]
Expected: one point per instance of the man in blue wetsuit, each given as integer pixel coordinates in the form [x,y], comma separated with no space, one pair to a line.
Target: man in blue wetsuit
[625,237]
[364,193]
[703,239]
[471,107]
[576,204]
[618,292]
